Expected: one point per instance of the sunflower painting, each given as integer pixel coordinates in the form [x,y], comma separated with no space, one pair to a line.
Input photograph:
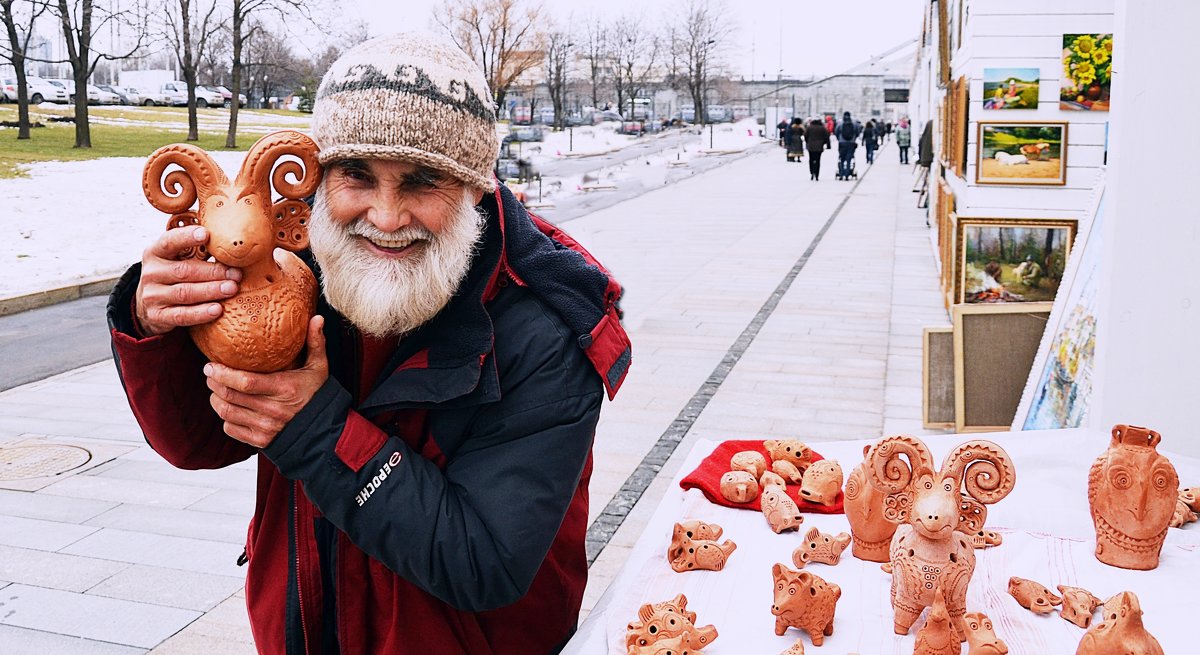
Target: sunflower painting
[1087,72]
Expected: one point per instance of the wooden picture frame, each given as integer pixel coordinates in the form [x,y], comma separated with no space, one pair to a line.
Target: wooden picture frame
[937,378]
[943,45]
[1029,149]
[1015,286]
[994,349]
[962,109]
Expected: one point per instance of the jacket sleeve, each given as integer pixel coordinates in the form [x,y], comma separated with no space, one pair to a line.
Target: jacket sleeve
[163,379]
[475,534]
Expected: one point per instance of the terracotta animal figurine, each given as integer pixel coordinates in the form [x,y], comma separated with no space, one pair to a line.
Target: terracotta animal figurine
[771,479]
[927,550]
[789,450]
[750,461]
[263,327]
[796,648]
[739,487]
[971,516]
[822,482]
[820,547]
[787,471]
[804,601]
[937,636]
[781,511]
[1033,596]
[1078,605]
[981,637]
[1120,631]
[665,623]
[701,555]
[1183,515]
[1132,491]
[692,530]
[869,528]
[1191,496]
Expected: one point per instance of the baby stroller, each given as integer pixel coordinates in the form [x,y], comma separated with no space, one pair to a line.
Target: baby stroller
[846,160]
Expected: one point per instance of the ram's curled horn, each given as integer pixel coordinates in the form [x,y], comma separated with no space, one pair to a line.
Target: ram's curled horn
[179,189]
[887,472]
[985,471]
[305,175]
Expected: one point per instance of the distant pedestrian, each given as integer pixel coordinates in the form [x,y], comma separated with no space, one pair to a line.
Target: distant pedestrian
[816,137]
[870,140]
[847,133]
[830,124]
[782,127]
[903,139]
[795,140]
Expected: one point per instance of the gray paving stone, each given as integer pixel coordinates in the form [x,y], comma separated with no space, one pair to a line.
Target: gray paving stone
[90,617]
[224,501]
[40,535]
[161,471]
[25,641]
[55,570]
[197,555]
[51,508]
[169,587]
[229,528]
[155,494]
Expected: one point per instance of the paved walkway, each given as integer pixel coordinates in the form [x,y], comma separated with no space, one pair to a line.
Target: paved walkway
[737,332]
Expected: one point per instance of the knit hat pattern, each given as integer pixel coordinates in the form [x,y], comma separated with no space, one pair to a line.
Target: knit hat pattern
[413,97]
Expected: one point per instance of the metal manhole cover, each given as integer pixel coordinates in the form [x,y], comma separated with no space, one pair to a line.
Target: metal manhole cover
[40,461]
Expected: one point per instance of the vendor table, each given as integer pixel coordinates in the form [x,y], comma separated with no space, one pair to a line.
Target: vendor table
[1048,538]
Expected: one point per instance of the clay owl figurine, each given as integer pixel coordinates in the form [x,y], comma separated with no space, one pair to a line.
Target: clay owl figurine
[781,511]
[1132,492]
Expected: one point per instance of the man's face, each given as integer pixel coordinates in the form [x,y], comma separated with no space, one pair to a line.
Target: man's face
[394,241]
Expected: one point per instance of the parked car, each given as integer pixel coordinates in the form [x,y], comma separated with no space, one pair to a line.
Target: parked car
[527,133]
[521,115]
[177,93]
[545,115]
[99,96]
[211,96]
[718,114]
[128,96]
[227,97]
[631,127]
[607,115]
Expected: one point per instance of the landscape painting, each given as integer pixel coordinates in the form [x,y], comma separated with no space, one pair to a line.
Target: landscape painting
[1011,88]
[1087,72]
[1022,153]
[1006,260]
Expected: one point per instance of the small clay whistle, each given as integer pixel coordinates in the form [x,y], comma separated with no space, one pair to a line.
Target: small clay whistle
[750,461]
[1033,596]
[937,637]
[781,511]
[787,471]
[804,601]
[691,530]
[701,555]
[669,623]
[789,450]
[771,479]
[739,487]
[981,637]
[822,482]
[1120,630]
[795,649]
[1191,496]
[820,547]
[1078,605]
[1183,514]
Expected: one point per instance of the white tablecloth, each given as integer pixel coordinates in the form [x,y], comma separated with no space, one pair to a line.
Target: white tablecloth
[1048,538]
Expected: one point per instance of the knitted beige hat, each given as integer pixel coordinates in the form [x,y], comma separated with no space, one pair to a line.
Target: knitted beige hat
[414,97]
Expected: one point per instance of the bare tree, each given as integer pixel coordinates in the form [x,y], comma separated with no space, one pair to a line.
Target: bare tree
[700,35]
[634,54]
[81,20]
[191,24]
[19,28]
[502,36]
[558,59]
[594,37]
[241,29]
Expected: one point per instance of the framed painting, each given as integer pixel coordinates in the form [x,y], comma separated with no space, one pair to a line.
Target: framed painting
[1021,152]
[1003,260]
[1011,88]
[994,348]
[1087,72]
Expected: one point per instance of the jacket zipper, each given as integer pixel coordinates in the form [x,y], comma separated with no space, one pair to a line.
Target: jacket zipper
[299,579]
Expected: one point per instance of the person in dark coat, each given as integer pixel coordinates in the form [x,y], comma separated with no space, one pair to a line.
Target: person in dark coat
[847,133]
[816,137]
[782,128]
[795,140]
[870,140]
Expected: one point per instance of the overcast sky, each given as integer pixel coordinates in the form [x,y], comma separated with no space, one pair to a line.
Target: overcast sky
[770,34]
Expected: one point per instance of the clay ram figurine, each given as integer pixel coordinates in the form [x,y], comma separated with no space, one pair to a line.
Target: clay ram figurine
[1132,492]
[927,551]
[263,327]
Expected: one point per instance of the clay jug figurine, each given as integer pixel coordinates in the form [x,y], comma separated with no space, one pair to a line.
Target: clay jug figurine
[701,555]
[822,483]
[666,620]
[927,551]
[793,451]
[750,461]
[1132,492]
[869,528]
[1033,596]
[1120,630]
[692,530]
[1078,605]
[771,479]
[937,636]
[1191,496]
[804,601]
[820,547]
[1183,514]
[739,487]
[981,637]
[262,328]
[781,511]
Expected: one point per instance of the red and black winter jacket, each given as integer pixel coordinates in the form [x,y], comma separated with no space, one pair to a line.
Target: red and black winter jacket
[440,507]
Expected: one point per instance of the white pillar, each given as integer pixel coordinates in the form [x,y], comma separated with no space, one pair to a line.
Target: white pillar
[1148,344]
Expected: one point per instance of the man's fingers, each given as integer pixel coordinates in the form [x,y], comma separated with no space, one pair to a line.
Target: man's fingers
[185,316]
[194,293]
[255,384]
[316,360]
[175,241]
[232,413]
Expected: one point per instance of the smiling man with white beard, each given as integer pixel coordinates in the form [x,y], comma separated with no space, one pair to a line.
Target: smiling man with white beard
[423,474]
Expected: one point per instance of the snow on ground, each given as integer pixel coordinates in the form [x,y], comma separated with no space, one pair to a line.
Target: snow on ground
[73,221]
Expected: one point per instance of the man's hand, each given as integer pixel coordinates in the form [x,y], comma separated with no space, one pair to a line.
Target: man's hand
[176,293]
[256,406]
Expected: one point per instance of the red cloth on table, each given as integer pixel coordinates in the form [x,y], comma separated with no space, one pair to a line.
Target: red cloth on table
[707,478]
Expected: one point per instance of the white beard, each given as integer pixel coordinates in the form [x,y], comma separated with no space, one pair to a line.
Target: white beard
[386,297]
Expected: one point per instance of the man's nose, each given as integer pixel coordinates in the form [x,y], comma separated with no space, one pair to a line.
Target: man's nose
[389,213]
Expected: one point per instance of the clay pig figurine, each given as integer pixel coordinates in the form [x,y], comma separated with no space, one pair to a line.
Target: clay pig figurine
[701,555]
[937,636]
[750,461]
[1078,605]
[781,511]
[820,547]
[665,623]
[739,487]
[870,526]
[692,530]
[822,482]
[981,637]
[1033,596]
[1132,491]
[804,601]
[1120,631]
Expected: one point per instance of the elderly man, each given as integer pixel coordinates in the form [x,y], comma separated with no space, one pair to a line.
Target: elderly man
[422,478]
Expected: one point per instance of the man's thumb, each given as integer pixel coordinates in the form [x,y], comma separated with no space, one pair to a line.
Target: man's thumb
[316,343]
